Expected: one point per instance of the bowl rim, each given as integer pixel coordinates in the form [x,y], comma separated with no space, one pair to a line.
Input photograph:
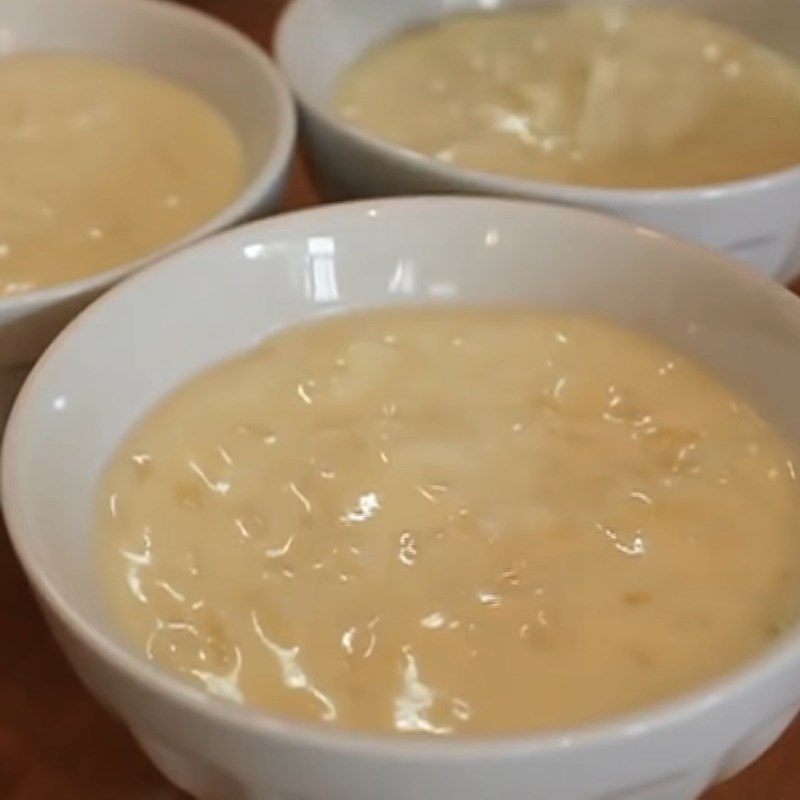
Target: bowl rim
[249,196]
[497,183]
[771,663]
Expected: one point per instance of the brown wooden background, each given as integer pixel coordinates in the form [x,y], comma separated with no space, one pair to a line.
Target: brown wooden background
[57,744]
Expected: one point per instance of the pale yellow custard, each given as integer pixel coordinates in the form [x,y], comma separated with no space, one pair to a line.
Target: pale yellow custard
[600,96]
[451,521]
[100,164]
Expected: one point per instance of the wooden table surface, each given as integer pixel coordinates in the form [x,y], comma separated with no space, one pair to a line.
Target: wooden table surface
[57,744]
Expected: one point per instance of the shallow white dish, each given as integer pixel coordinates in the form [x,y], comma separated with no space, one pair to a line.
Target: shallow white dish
[755,220]
[226,293]
[188,47]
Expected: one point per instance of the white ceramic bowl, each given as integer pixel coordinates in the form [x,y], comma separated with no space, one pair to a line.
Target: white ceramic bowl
[755,220]
[182,45]
[222,296]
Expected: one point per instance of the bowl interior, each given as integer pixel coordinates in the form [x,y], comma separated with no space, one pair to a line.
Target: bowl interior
[222,296]
[338,33]
[183,46]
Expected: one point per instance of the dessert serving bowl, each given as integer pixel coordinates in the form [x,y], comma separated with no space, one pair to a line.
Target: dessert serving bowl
[222,296]
[184,46]
[753,220]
